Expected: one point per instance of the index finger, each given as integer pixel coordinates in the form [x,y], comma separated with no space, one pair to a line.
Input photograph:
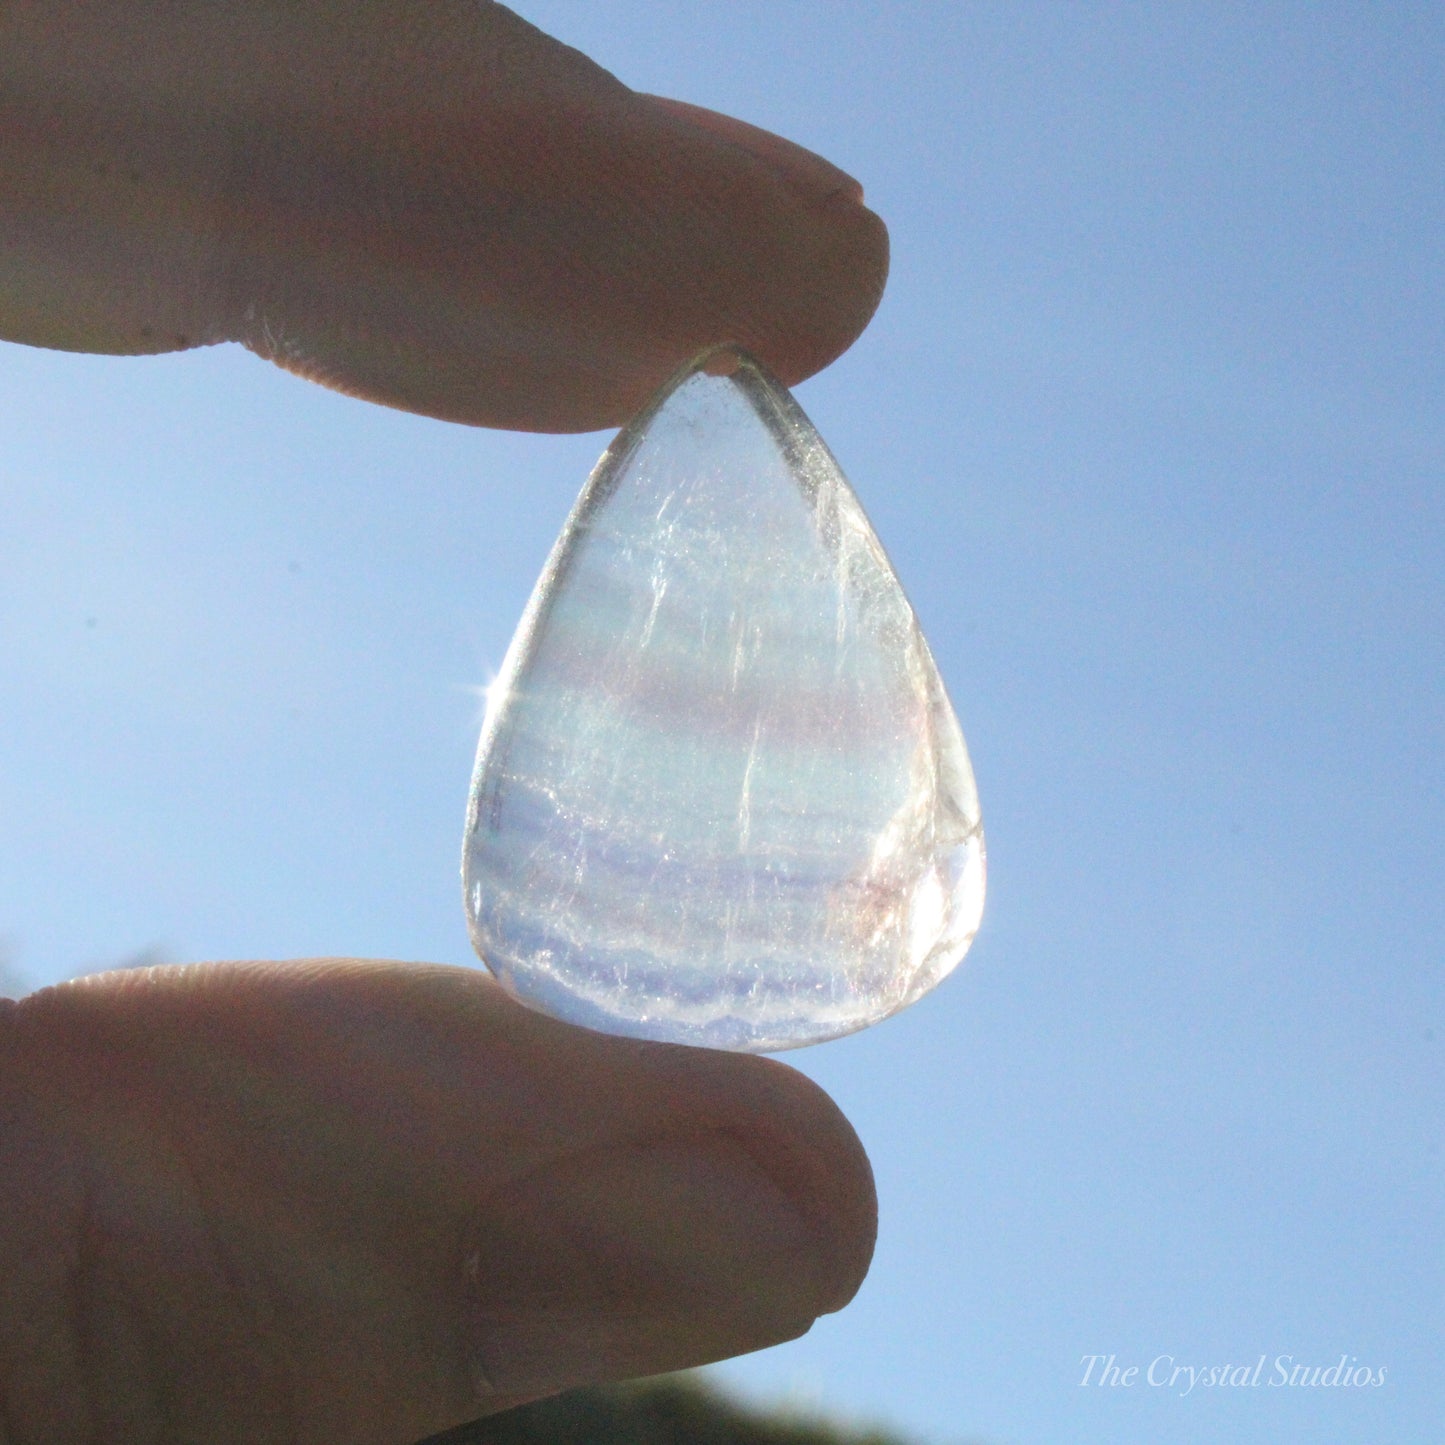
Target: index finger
[437,207]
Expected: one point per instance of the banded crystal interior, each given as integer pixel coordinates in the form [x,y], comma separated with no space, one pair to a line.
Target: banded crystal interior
[721,796]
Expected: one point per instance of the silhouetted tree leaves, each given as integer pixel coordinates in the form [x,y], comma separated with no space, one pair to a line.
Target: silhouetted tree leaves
[671,1410]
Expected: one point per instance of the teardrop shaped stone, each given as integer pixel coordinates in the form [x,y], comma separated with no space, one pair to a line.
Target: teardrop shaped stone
[721,796]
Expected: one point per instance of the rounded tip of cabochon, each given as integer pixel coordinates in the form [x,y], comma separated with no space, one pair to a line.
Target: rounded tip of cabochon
[724,359]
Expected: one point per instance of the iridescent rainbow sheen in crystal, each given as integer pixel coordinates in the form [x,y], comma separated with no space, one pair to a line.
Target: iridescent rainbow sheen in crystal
[721,796]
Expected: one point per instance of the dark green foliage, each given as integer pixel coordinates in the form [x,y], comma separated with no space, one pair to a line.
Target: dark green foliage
[670,1410]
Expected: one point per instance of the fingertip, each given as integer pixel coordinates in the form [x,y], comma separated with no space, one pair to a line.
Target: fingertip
[843,1185]
[839,245]
[816,178]
[800,1139]
[833,312]
[791,265]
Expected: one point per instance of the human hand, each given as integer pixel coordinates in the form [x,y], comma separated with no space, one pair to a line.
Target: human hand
[366,1201]
[426,203]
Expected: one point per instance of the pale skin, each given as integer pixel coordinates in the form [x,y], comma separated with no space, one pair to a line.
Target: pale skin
[363,1201]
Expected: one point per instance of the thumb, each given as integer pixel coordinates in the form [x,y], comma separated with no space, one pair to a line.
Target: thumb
[366,1202]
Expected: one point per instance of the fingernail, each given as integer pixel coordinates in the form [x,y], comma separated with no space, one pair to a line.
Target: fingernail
[820,180]
[637,1261]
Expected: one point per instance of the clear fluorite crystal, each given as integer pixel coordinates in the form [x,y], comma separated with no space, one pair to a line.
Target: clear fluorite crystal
[721,796]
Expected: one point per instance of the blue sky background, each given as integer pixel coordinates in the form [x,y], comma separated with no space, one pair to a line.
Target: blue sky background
[1151,423]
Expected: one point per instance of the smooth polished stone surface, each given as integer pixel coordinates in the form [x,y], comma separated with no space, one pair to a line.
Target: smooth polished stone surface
[721,796]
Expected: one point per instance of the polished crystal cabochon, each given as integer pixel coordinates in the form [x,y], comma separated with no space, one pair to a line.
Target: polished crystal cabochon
[721,796]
